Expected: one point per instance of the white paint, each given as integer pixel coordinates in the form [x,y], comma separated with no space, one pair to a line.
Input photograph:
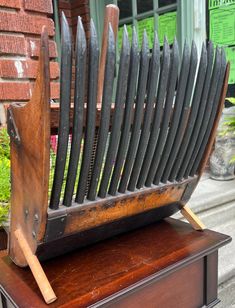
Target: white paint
[19,68]
[3,119]
[32,45]
[199,33]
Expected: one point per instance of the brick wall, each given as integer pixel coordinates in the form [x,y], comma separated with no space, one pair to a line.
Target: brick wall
[21,23]
[80,8]
[73,9]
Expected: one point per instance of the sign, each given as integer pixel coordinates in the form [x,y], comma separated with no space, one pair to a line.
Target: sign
[148,25]
[222,29]
[167,27]
[217,3]
[230,56]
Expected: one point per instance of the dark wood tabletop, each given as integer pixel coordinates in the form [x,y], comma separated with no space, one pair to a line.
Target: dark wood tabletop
[89,275]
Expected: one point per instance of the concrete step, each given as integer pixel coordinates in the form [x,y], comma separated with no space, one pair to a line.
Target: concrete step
[227,294]
[216,208]
[222,219]
[227,253]
[210,193]
[214,203]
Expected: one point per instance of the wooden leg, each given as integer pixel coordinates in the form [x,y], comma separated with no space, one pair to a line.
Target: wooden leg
[36,268]
[192,218]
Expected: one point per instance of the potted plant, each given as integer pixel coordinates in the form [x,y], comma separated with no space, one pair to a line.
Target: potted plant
[222,161]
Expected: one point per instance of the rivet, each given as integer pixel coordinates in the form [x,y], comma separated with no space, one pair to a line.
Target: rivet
[34,234]
[36,217]
[26,212]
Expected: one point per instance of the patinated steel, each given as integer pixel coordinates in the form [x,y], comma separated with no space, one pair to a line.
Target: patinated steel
[91,114]
[179,165]
[12,129]
[162,88]
[185,117]
[173,77]
[196,139]
[197,154]
[118,114]
[152,86]
[127,120]
[78,112]
[179,101]
[105,115]
[65,97]
[139,107]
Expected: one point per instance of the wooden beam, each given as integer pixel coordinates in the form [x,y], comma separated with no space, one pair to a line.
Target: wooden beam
[30,161]
[91,214]
[192,218]
[37,271]
[111,17]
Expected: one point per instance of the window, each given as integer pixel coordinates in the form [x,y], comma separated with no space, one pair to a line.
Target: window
[151,15]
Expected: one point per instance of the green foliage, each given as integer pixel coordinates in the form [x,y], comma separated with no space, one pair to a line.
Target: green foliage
[231,100]
[4,180]
[4,144]
[229,125]
[4,175]
[3,214]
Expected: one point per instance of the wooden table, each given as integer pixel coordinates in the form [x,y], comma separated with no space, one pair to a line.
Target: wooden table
[166,264]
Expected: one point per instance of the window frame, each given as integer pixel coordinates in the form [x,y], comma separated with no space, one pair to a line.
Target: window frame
[191,19]
[152,13]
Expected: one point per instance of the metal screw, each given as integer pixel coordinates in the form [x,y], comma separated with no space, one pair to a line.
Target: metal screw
[34,234]
[36,217]
[26,212]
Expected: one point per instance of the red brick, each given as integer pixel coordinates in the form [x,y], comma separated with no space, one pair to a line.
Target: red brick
[11,3]
[14,91]
[64,4]
[17,91]
[44,6]
[24,69]
[75,4]
[54,70]
[10,44]
[86,25]
[55,90]
[81,11]
[25,23]
[67,13]
[34,48]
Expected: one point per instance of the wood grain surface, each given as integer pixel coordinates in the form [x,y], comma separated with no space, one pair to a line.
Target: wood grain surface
[30,161]
[113,269]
